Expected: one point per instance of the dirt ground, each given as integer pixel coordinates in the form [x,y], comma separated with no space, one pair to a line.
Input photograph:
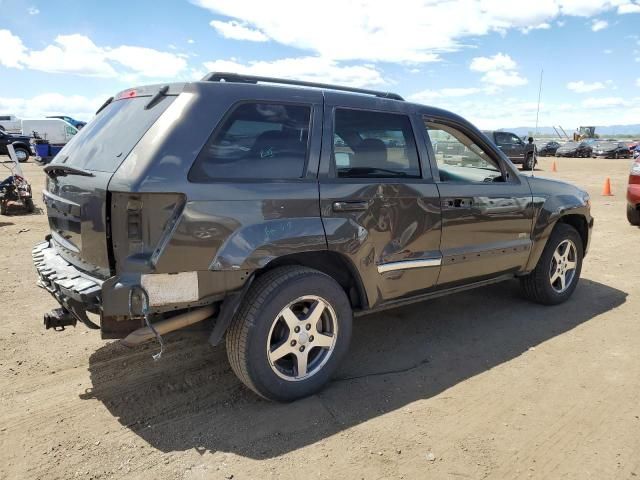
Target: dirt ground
[477,385]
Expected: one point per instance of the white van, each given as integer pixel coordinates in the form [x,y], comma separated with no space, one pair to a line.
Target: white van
[57,131]
[10,124]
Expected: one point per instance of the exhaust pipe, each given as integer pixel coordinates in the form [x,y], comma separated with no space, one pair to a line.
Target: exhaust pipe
[143,334]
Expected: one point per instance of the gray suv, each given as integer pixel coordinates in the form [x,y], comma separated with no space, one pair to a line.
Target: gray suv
[273,211]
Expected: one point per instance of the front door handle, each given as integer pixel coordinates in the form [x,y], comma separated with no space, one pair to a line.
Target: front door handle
[350,206]
[458,203]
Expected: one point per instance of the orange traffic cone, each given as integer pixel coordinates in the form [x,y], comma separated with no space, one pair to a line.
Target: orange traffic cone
[606,188]
[554,167]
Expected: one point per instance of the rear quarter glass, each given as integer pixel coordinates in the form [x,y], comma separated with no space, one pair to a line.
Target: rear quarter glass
[108,138]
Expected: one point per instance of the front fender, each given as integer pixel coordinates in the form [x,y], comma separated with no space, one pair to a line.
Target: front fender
[553,201]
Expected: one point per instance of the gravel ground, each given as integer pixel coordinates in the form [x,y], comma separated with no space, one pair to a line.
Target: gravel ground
[458,387]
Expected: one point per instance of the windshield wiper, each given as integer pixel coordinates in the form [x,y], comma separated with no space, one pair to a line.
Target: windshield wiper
[57,170]
[156,98]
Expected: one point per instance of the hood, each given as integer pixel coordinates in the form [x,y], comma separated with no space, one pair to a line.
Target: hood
[22,138]
[541,186]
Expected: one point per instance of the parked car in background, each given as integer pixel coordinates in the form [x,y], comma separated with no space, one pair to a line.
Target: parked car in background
[574,149]
[55,130]
[633,194]
[519,151]
[20,145]
[231,200]
[76,123]
[10,124]
[610,150]
[547,148]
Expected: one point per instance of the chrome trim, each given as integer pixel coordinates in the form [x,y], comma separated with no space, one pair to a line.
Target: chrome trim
[407,264]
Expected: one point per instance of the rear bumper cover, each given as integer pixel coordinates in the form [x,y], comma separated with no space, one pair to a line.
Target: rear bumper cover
[65,282]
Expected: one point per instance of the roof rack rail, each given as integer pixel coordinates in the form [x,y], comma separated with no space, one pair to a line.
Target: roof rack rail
[238,78]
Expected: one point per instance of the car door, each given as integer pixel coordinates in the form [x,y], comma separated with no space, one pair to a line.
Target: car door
[380,207]
[487,208]
[4,141]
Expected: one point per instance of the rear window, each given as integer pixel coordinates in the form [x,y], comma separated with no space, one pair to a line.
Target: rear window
[108,138]
[257,140]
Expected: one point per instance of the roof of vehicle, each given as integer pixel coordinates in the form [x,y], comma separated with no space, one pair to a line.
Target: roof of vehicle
[238,78]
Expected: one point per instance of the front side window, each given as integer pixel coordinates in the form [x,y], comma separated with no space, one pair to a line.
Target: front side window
[370,144]
[460,159]
[257,141]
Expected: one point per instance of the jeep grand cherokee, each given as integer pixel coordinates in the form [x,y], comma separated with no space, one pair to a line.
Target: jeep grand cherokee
[276,210]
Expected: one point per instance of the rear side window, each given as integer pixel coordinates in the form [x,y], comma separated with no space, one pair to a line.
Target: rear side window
[374,145]
[257,140]
[108,138]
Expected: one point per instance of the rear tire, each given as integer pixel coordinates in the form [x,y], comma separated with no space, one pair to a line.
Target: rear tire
[554,280]
[28,204]
[290,333]
[3,207]
[633,215]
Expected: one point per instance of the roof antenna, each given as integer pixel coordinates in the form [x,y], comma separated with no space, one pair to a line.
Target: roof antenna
[535,159]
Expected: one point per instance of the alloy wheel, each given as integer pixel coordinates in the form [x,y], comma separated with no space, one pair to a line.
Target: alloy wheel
[302,338]
[562,270]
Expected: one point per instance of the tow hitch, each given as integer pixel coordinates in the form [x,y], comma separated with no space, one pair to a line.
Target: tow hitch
[58,318]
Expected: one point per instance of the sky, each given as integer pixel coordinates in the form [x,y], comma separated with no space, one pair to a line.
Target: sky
[481,59]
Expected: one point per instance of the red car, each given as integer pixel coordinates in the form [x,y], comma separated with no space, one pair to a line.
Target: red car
[633,194]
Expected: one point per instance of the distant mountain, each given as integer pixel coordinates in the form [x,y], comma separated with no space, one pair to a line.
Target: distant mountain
[630,130]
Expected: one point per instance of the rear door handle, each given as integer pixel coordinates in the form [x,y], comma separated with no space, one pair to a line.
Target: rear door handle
[350,206]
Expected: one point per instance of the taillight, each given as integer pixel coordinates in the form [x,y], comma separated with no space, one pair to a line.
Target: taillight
[635,168]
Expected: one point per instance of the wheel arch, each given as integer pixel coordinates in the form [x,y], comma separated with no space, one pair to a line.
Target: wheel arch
[334,264]
[576,218]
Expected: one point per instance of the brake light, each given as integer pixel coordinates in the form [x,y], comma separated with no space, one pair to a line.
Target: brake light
[132,93]
[635,168]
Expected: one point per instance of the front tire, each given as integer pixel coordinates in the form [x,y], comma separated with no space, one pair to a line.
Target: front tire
[289,335]
[22,154]
[558,270]
[633,215]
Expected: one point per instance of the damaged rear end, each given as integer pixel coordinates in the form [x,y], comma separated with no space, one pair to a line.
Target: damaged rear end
[108,224]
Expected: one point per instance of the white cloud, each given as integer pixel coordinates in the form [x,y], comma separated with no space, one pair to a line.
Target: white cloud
[582,87]
[416,31]
[637,82]
[238,31]
[430,96]
[71,54]
[12,49]
[604,102]
[499,70]
[78,54]
[499,61]
[147,61]
[191,41]
[597,25]
[315,69]
[77,106]
[33,11]
[542,26]
[607,51]
[628,8]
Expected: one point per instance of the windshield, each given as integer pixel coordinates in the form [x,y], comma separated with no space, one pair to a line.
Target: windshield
[108,138]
